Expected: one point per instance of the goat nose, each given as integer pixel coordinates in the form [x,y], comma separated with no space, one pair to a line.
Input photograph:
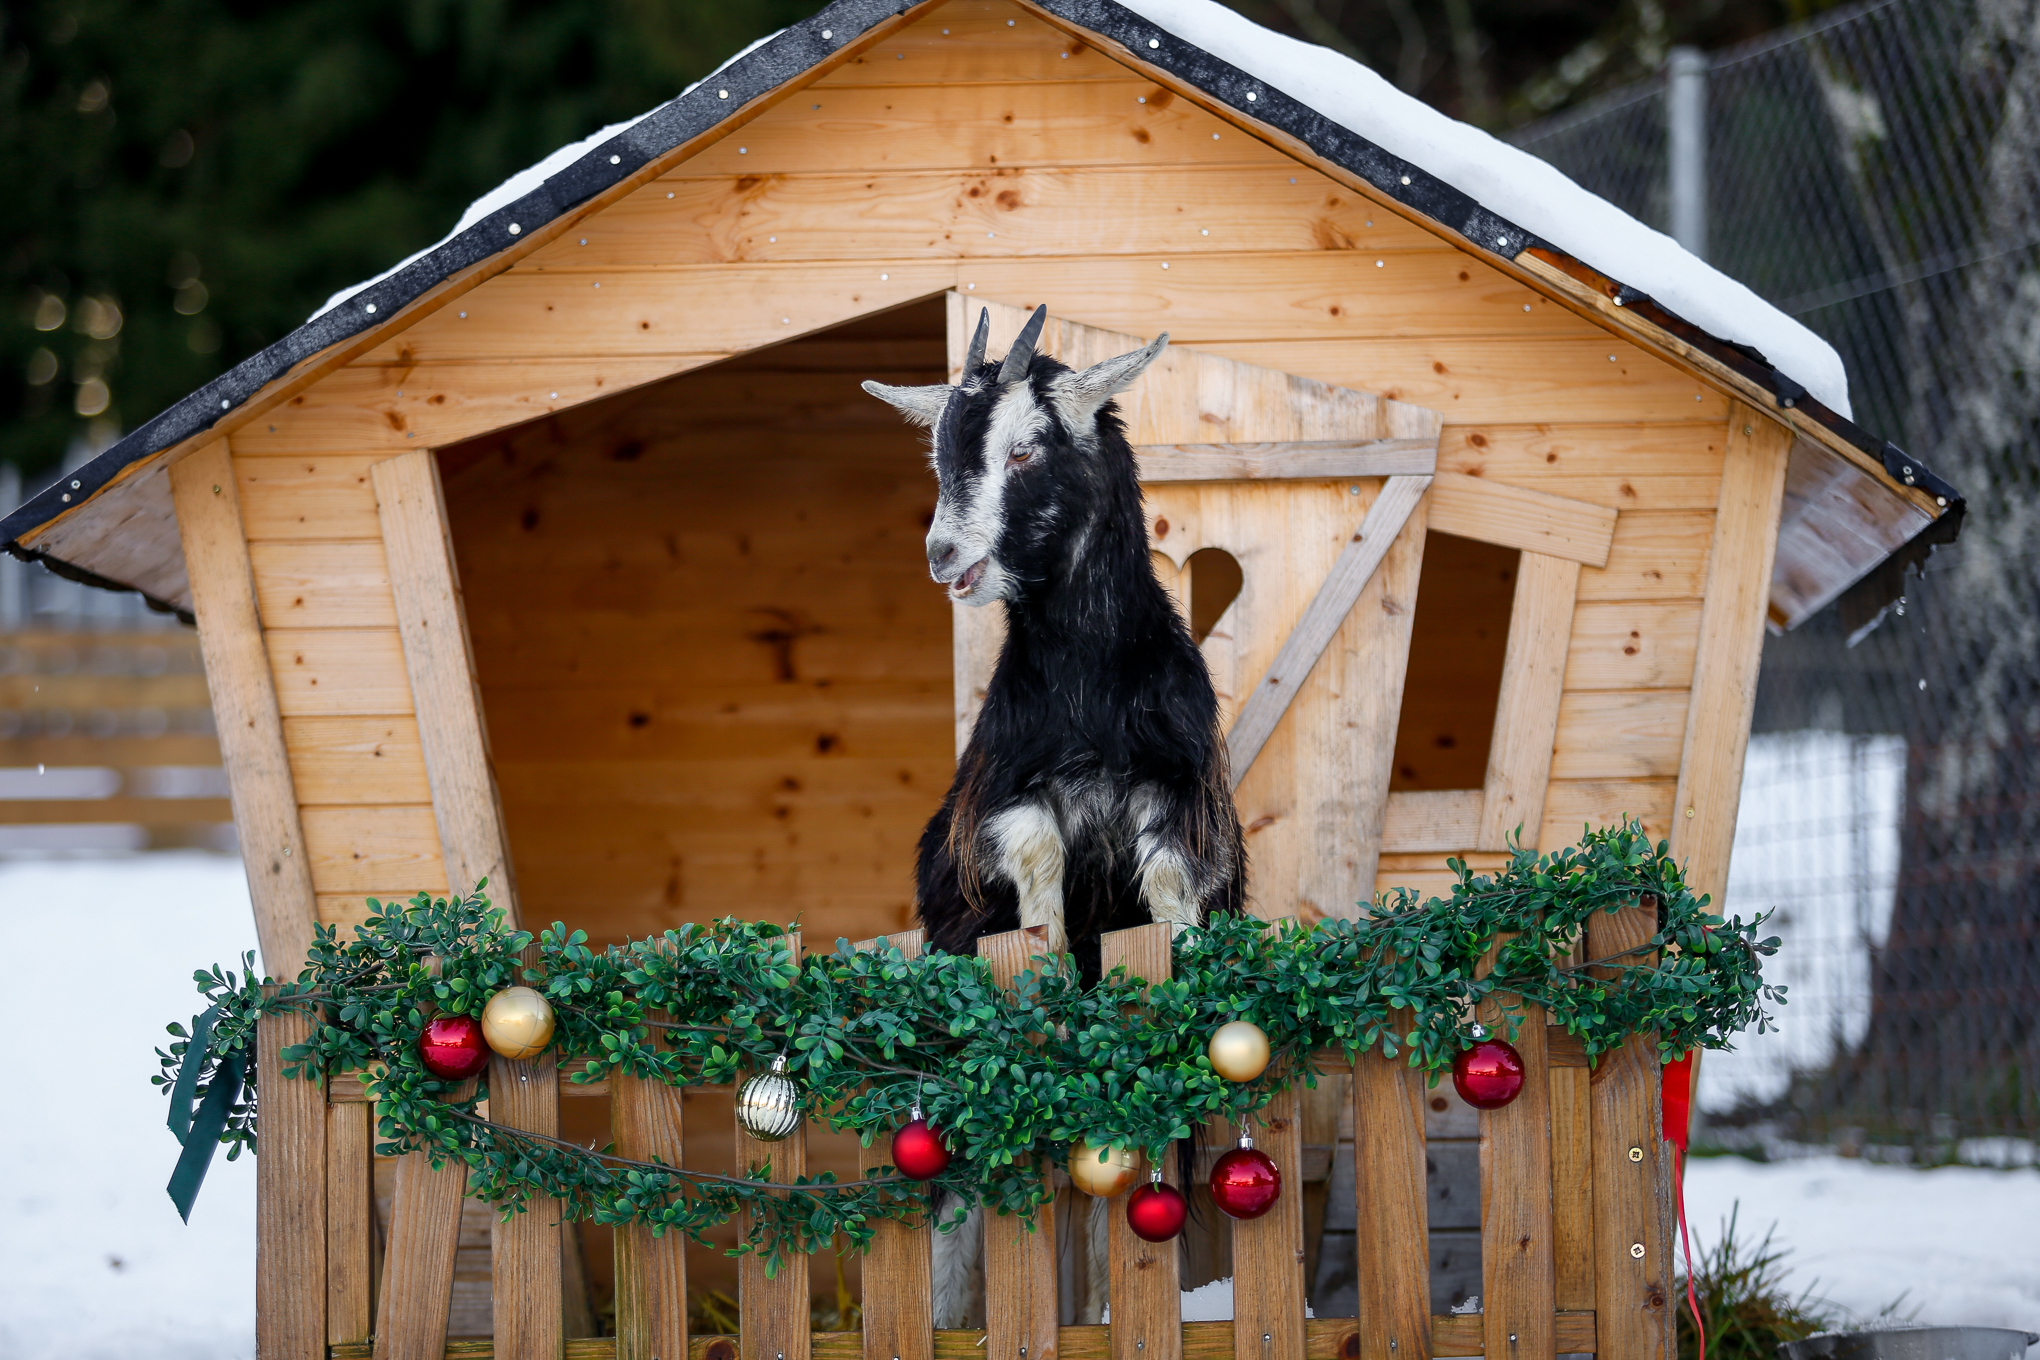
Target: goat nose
[941,553]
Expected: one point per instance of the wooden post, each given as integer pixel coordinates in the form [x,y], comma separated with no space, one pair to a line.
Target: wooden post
[243,691]
[651,1273]
[1392,1219]
[898,1300]
[773,1313]
[1268,1251]
[1147,1297]
[290,1203]
[1021,1311]
[1526,714]
[440,662]
[350,1222]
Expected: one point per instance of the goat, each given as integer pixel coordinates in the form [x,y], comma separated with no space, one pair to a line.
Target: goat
[1093,793]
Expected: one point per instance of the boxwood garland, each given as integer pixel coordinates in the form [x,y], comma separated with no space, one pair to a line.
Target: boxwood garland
[1010,1078]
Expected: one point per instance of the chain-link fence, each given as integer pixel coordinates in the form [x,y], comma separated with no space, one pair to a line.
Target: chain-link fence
[1877,176]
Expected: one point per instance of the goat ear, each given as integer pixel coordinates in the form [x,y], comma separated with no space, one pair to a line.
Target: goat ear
[1081,394]
[921,405]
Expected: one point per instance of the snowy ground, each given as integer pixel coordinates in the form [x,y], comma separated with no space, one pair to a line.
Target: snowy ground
[93,1262]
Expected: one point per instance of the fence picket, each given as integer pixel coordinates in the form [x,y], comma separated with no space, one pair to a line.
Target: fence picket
[350,1222]
[417,1277]
[529,1296]
[1519,1288]
[290,1215]
[1268,1251]
[773,1312]
[651,1273]
[1392,1218]
[1146,1289]
[1021,1313]
[898,1302]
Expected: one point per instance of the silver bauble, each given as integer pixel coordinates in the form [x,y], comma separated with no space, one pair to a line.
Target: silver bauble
[768,1105]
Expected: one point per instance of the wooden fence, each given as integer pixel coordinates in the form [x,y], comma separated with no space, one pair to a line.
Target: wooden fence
[1574,1230]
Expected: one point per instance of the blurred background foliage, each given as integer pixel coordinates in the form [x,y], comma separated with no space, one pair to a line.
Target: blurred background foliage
[186,180]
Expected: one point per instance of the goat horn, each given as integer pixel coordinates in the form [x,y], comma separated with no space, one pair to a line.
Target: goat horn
[977,343]
[1022,353]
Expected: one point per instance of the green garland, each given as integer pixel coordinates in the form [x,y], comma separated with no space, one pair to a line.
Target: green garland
[1009,1078]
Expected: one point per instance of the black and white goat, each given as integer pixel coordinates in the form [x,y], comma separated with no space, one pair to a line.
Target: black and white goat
[1093,794]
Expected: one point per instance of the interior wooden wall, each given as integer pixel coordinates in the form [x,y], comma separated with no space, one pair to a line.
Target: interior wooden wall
[984,151]
[716,674]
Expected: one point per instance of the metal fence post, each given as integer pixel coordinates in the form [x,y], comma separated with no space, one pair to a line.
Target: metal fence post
[1686,135]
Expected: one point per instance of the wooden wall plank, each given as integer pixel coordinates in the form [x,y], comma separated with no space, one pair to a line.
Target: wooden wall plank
[1730,648]
[417,1276]
[350,1222]
[527,1292]
[300,499]
[1267,1252]
[1517,517]
[773,1311]
[1021,1308]
[1572,1184]
[321,671]
[363,849]
[1620,734]
[898,1300]
[1392,1215]
[356,760]
[290,1199]
[1440,819]
[1146,1277]
[1570,804]
[336,584]
[1656,555]
[1633,644]
[247,706]
[651,1272]
[1519,1280]
[1626,467]
[1633,1267]
[1527,713]
[444,687]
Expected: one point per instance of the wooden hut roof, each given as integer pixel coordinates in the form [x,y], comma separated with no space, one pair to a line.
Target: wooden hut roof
[1858,511]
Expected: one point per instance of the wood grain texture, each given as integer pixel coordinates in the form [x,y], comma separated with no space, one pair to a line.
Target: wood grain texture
[1392,1217]
[527,1286]
[1519,1280]
[417,1273]
[293,498]
[1632,1313]
[897,1299]
[441,666]
[1516,517]
[1267,1252]
[773,1312]
[322,672]
[1729,648]
[1021,1307]
[1146,1277]
[356,760]
[1571,804]
[1632,644]
[1269,700]
[350,1222]
[322,584]
[246,707]
[290,1200]
[1626,467]
[1527,713]
[1620,734]
[651,1272]
[359,850]
[1655,555]
[1302,460]
[1440,819]
[1572,1174]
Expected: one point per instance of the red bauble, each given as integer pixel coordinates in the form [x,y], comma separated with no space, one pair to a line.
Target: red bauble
[1245,1182]
[1156,1211]
[1489,1074]
[918,1151]
[452,1047]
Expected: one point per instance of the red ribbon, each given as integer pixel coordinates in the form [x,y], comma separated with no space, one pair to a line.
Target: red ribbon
[1676,1085]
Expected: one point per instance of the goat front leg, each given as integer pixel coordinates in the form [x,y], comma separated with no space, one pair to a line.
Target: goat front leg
[1027,847]
[1173,883]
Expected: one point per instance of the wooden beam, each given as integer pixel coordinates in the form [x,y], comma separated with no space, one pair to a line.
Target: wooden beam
[1146,1289]
[1517,517]
[440,663]
[1272,694]
[245,707]
[1730,647]
[1526,714]
[1298,461]
[290,1200]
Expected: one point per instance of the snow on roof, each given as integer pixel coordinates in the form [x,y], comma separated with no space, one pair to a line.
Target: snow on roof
[1506,181]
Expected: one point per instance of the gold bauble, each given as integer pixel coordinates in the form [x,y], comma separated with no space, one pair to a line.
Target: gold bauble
[1239,1051]
[1119,1170]
[518,1023]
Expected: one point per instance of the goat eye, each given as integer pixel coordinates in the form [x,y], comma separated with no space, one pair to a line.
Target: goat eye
[1021,454]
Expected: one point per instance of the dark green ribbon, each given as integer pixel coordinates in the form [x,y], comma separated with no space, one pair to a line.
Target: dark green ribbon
[200,1132]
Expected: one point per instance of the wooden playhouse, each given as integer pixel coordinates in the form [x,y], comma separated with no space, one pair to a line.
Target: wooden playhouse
[570,554]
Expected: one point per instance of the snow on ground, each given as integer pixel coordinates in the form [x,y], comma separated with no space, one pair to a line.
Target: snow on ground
[93,1260]
[1955,1245]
